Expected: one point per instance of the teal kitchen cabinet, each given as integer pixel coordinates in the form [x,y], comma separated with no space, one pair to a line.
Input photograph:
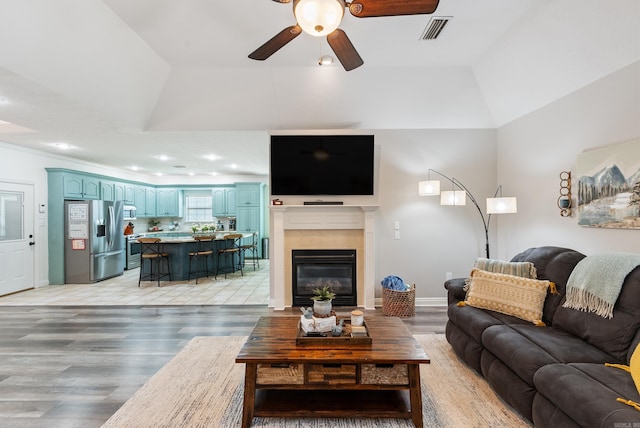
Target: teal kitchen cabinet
[107,191]
[168,202]
[79,186]
[112,191]
[145,201]
[250,210]
[129,194]
[224,201]
[248,219]
[249,194]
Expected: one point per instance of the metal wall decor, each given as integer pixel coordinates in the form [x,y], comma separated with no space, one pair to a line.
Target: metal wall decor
[564,200]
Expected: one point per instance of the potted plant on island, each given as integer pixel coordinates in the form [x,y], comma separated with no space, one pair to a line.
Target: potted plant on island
[322,298]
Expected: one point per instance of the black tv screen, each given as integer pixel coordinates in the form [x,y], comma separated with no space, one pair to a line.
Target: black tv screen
[322,165]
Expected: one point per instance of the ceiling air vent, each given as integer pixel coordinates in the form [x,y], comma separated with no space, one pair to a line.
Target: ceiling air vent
[434,27]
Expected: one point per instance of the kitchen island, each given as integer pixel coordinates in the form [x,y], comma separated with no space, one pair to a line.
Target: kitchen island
[179,245]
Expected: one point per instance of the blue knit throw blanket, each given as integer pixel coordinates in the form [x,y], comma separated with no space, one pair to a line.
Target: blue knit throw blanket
[596,281]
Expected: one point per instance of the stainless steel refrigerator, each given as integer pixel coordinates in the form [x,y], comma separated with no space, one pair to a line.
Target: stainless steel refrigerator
[94,246]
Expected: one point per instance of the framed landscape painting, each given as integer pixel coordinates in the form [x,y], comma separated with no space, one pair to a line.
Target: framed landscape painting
[609,186]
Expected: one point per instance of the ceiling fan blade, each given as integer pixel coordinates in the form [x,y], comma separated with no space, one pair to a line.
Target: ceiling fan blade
[344,50]
[371,8]
[282,1]
[275,43]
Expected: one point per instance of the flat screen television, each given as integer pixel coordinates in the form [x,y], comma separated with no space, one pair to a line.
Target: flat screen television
[322,165]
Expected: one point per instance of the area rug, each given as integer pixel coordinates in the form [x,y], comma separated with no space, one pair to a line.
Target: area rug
[202,386]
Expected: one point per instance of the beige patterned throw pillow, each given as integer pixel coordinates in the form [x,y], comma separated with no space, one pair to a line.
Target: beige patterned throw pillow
[508,294]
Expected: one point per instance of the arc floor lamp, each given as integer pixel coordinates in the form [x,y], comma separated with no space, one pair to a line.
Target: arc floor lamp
[458,196]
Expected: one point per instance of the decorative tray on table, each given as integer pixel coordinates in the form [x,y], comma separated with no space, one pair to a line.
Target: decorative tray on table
[331,341]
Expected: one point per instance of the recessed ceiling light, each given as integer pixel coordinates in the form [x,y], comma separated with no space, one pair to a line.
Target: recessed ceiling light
[325,60]
[233,166]
[192,174]
[212,157]
[159,174]
[135,167]
[162,157]
[62,146]
[213,173]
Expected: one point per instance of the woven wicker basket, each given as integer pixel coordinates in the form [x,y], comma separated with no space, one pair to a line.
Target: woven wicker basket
[400,304]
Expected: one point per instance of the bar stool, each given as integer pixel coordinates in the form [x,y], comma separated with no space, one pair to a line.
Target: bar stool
[204,251]
[231,249]
[253,247]
[151,250]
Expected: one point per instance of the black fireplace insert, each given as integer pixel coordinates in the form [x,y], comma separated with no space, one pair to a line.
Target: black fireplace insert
[313,269]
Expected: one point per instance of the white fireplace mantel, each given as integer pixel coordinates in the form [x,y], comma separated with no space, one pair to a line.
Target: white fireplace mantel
[320,217]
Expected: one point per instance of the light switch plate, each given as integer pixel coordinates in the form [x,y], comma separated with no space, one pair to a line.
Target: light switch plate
[396,225]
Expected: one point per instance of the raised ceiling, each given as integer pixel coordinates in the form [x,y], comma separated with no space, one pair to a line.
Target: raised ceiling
[126,81]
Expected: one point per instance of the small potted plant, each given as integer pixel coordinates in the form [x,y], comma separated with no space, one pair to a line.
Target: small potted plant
[322,298]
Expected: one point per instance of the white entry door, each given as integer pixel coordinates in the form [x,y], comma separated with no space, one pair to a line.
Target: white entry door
[16,237]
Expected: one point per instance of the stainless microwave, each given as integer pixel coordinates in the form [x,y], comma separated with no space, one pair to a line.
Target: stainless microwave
[129,212]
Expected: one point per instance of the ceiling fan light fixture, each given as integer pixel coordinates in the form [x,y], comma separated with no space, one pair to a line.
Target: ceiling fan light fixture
[318,17]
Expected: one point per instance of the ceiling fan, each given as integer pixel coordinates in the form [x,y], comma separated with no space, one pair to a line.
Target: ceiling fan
[322,18]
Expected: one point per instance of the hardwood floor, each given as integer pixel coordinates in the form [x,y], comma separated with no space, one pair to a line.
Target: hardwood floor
[74,366]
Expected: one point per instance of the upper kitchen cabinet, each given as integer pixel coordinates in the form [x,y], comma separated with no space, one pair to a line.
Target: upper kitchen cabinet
[249,194]
[168,202]
[224,201]
[79,186]
[128,190]
[112,191]
[145,201]
[108,191]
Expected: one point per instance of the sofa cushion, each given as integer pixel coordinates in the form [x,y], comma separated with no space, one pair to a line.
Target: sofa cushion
[526,348]
[594,387]
[474,321]
[508,294]
[523,269]
[614,335]
[554,264]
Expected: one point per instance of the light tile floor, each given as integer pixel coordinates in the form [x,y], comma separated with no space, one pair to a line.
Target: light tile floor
[250,289]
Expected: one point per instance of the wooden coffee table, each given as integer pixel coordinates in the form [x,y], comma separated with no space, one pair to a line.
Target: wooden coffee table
[379,380]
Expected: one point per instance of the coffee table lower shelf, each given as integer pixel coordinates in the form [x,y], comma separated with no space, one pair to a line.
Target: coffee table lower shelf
[274,403]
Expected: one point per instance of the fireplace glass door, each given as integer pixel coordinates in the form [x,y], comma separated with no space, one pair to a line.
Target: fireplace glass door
[316,268]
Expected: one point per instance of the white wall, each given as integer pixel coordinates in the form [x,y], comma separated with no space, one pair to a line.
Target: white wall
[534,149]
[434,239]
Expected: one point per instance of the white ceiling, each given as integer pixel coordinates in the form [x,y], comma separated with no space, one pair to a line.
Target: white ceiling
[126,80]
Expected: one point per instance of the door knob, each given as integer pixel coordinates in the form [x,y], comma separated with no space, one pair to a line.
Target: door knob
[32,243]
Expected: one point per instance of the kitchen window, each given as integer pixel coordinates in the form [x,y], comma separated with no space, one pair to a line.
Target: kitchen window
[198,208]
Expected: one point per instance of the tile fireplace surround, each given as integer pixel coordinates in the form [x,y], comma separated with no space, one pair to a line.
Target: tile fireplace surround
[322,227]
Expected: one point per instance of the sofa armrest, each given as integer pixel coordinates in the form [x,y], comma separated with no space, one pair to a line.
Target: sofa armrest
[455,288]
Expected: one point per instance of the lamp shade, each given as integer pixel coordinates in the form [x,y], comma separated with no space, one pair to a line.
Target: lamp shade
[318,17]
[429,188]
[453,197]
[502,205]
